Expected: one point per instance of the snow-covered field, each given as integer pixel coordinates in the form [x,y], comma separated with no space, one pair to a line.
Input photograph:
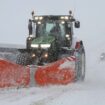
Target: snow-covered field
[89,92]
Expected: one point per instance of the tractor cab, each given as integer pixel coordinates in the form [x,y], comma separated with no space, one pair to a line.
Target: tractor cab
[49,38]
[59,27]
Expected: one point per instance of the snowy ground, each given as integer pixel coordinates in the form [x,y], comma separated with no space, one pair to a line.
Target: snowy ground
[89,92]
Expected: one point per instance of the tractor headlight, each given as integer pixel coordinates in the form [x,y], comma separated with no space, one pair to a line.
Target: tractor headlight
[62,17]
[29,38]
[67,35]
[36,18]
[40,18]
[46,55]
[33,55]
[34,45]
[66,17]
[39,22]
[62,22]
[45,45]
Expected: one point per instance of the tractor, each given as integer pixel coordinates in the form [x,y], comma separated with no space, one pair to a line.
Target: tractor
[52,54]
[50,39]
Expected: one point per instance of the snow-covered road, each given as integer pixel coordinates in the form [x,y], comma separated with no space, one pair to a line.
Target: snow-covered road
[89,92]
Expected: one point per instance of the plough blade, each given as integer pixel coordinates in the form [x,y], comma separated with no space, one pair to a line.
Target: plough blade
[13,75]
[59,72]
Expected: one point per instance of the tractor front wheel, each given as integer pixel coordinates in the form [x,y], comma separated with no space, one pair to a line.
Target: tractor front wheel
[80,65]
[23,59]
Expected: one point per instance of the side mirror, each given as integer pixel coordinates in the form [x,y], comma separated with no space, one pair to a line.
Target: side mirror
[77,24]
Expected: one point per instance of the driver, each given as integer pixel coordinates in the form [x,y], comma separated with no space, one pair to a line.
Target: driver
[55,29]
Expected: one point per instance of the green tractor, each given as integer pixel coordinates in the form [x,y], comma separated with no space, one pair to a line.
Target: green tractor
[52,54]
[50,39]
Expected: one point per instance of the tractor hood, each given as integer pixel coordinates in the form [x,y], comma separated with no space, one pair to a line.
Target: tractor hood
[43,40]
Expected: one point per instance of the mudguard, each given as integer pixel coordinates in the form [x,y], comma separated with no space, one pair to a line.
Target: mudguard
[59,72]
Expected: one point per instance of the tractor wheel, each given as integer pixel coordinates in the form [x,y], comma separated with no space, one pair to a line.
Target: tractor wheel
[23,59]
[80,65]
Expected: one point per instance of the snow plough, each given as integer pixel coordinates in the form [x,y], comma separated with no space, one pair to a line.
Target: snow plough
[52,54]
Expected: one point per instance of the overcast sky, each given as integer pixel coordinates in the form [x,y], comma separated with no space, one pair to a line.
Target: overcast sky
[14,15]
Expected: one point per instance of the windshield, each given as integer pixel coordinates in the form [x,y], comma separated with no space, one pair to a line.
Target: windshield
[51,28]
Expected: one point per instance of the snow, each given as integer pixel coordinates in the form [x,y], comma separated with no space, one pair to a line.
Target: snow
[89,92]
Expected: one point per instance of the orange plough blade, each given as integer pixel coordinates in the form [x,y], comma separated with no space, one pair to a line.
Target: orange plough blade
[13,75]
[59,72]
